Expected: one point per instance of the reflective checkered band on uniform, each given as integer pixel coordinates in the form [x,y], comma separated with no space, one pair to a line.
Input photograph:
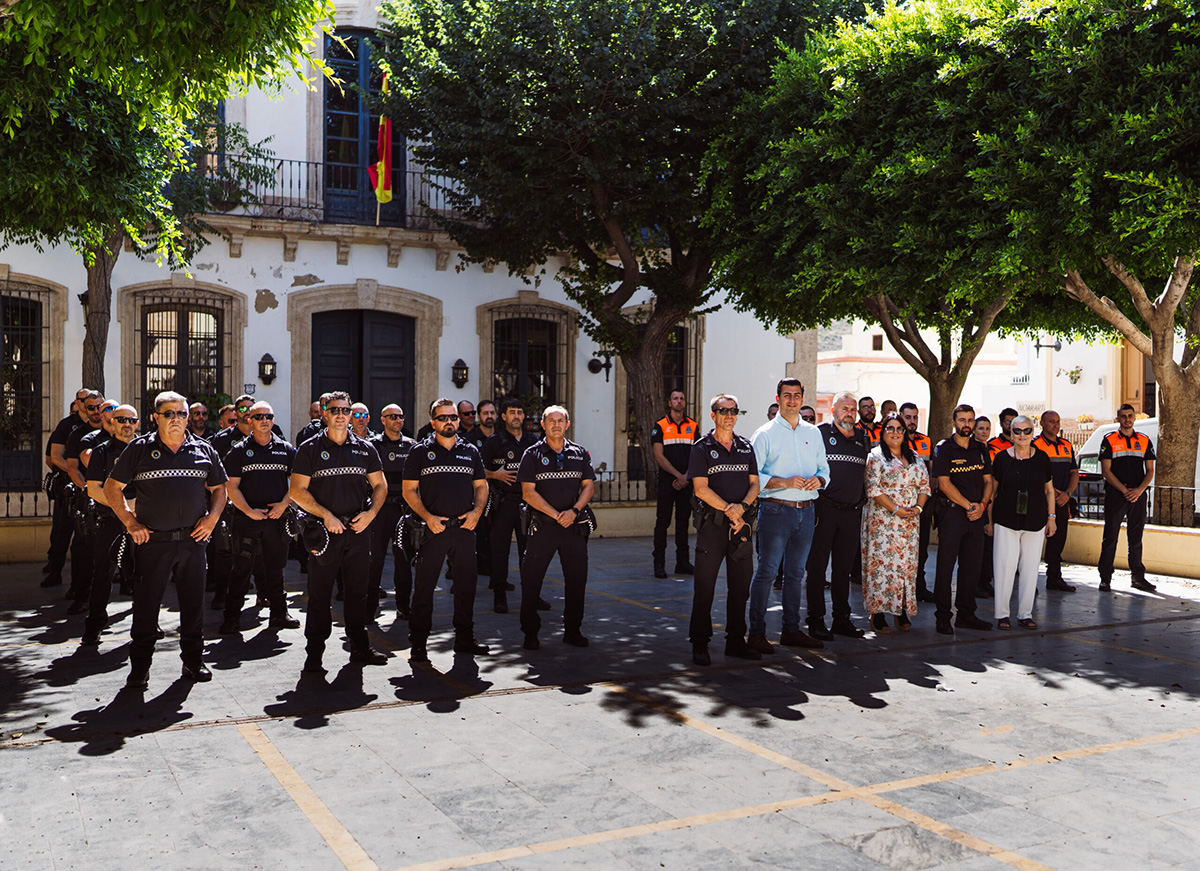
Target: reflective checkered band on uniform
[266,467]
[340,470]
[678,440]
[441,470]
[513,466]
[557,476]
[1129,452]
[846,458]
[170,473]
[728,467]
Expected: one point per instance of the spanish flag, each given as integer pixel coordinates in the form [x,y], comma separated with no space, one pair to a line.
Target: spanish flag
[381,172]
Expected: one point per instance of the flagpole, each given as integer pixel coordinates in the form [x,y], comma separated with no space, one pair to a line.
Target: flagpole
[377,205]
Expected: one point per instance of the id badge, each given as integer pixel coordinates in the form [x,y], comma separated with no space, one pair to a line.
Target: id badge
[1022,502]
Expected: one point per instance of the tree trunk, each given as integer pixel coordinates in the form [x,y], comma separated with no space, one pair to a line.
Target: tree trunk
[1178,435]
[945,388]
[99,309]
[644,381]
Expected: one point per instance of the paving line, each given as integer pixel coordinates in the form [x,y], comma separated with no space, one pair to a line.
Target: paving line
[345,847]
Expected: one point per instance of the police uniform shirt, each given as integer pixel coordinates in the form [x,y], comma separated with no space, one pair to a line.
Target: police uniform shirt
[338,473]
[847,456]
[503,452]
[170,484]
[312,428]
[477,437]
[965,467]
[556,476]
[74,446]
[263,469]
[677,440]
[1062,459]
[392,456]
[227,438]
[728,470]
[1128,457]
[100,466]
[445,476]
[63,431]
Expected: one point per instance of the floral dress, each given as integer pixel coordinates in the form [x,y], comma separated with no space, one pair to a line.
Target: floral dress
[889,543]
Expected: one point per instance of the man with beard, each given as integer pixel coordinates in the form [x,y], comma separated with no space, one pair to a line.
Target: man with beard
[501,458]
[393,447]
[922,446]
[1065,469]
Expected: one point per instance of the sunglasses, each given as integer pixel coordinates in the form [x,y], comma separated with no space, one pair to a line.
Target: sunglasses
[243,408]
[92,407]
[893,429]
[200,413]
[1026,431]
[338,410]
[725,412]
[393,416]
[262,416]
[172,415]
[361,414]
[444,418]
[124,420]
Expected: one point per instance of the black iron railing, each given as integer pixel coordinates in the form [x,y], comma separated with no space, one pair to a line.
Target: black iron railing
[33,503]
[621,487]
[1168,506]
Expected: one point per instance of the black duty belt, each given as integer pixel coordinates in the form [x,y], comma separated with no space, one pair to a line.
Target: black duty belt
[800,506]
[182,534]
[843,506]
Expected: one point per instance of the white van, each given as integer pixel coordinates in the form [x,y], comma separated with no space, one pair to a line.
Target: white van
[1090,494]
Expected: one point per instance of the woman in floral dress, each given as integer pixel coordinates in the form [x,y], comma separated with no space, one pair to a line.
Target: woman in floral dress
[897,488]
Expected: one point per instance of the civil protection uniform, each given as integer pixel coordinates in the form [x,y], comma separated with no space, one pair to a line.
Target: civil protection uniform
[922,446]
[108,529]
[558,478]
[728,471]
[172,496]
[959,539]
[446,484]
[838,532]
[1062,463]
[502,452]
[338,482]
[62,527]
[1128,456]
[392,456]
[871,431]
[264,473]
[987,569]
[81,562]
[677,440]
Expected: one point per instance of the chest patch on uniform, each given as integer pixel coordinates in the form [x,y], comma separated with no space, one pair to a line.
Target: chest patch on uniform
[155,454]
[832,440]
[324,455]
[431,455]
[545,461]
[249,453]
[713,454]
[510,455]
[392,456]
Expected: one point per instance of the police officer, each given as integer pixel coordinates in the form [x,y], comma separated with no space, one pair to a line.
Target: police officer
[671,443]
[360,421]
[198,421]
[1001,442]
[393,447]
[724,473]
[81,564]
[1127,464]
[220,551]
[1065,470]
[316,423]
[963,469]
[484,430]
[445,486]
[337,478]
[174,517]
[62,526]
[922,446]
[556,481]
[258,467]
[486,427]
[839,521]
[501,458]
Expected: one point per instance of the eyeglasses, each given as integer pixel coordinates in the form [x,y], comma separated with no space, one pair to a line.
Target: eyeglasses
[243,408]
[1026,431]
[443,418]
[725,412]
[893,429]
[262,416]
[361,414]
[171,415]
[338,410]
[124,420]
[393,416]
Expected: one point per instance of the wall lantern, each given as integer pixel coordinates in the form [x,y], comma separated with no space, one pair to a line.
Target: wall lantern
[459,373]
[267,369]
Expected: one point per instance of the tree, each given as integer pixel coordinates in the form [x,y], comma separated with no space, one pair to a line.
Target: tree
[577,128]
[846,189]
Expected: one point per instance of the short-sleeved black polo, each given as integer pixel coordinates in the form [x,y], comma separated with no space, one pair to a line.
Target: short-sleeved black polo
[847,456]
[445,476]
[104,459]
[226,439]
[503,452]
[556,476]
[264,470]
[477,437]
[392,455]
[62,431]
[965,467]
[338,473]
[728,470]
[93,440]
[1127,456]
[74,446]
[312,428]
[170,484]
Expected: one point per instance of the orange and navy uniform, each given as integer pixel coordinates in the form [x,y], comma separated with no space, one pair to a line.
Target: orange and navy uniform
[873,431]
[998,444]
[1128,456]
[676,439]
[921,445]
[1062,459]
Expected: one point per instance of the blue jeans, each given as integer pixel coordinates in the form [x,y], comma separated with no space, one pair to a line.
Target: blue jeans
[781,529]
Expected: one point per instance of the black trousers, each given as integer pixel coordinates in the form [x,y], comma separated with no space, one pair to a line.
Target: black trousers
[81,555]
[959,540]
[926,526]
[222,559]
[838,533]
[62,529]
[383,537]
[679,503]
[1055,544]
[106,533]
[505,519]
[160,562]
[713,546]
[483,546]
[1117,509]
[349,554]
[255,540]
[457,545]
[571,548]
[986,567]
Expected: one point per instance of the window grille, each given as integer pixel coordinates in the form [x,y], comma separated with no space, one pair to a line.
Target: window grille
[530,356]
[24,384]
[183,343]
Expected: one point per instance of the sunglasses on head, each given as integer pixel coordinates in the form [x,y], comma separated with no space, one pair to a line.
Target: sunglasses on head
[361,414]
[124,420]
[172,415]
[444,418]
[262,416]
[1025,431]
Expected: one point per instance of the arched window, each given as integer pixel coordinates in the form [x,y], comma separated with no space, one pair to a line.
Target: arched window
[527,351]
[24,331]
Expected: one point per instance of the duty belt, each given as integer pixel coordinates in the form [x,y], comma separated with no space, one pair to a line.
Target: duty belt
[843,506]
[807,503]
[182,534]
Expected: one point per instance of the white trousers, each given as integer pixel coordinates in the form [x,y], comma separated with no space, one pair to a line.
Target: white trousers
[1016,551]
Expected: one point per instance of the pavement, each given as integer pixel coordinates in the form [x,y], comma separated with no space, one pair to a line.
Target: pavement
[1068,747]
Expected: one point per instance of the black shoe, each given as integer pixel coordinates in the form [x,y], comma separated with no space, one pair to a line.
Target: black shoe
[470,646]
[79,606]
[700,655]
[139,677]
[844,627]
[260,603]
[944,627]
[970,621]
[575,639]
[500,603]
[531,642]
[218,603]
[368,656]
[509,587]
[46,569]
[985,591]
[1061,586]
[818,630]
[284,621]
[778,585]
[90,639]
[543,605]
[198,672]
[659,572]
[231,627]
[685,568]
[51,581]
[741,650]
[312,664]
[1106,586]
[926,596]
[402,613]
[1144,585]
[418,653]
[73,592]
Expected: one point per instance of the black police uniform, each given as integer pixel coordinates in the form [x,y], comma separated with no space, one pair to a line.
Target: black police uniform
[62,527]
[308,431]
[220,547]
[677,440]
[558,478]
[392,455]
[108,529]
[502,452]
[338,482]
[728,472]
[264,473]
[87,513]
[838,531]
[171,498]
[483,530]
[1062,464]
[81,562]
[959,539]
[445,482]
[1127,456]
